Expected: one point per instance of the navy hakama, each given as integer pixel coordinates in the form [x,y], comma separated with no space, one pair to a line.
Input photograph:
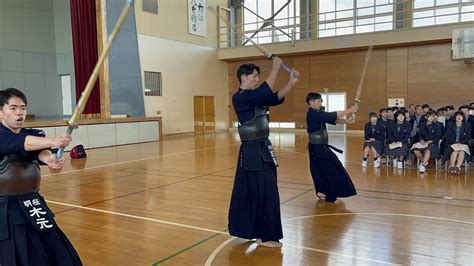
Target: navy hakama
[254,210]
[329,175]
[23,244]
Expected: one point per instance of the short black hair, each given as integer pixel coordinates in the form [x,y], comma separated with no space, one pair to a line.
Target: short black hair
[416,106]
[450,107]
[411,105]
[442,109]
[246,69]
[459,113]
[463,106]
[6,94]
[425,106]
[397,114]
[382,109]
[395,108]
[430,113]
[312,96]
[372,114]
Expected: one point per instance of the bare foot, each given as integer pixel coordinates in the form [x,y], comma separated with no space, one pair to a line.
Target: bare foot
[269,244]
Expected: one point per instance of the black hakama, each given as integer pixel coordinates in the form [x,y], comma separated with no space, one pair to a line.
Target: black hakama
[254,210]
[329,175]
[21,243]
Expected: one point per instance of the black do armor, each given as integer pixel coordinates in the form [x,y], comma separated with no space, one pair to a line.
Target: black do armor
[320,136]
[18,176]
[257,128]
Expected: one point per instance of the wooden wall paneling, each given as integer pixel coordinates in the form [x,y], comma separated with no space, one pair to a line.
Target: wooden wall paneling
[420,74]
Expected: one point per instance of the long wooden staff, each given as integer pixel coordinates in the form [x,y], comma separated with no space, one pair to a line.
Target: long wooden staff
[72,123]
[362,77]
[269,55]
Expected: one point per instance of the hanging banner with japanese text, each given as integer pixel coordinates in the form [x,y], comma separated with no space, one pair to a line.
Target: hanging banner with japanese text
[197,17]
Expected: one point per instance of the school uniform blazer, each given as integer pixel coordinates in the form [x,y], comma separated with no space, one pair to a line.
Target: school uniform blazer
[431,132]
[394,135]
[465,133]
[378,134]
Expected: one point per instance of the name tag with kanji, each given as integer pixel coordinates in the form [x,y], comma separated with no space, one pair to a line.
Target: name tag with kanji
[36,211]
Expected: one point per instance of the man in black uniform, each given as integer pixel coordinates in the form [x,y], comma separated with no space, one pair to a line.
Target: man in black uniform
[28,233]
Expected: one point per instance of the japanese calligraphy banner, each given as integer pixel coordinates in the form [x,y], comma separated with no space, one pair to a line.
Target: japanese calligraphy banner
[197,17]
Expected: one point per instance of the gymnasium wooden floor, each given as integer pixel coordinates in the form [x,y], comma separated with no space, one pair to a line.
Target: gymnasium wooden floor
[166,203]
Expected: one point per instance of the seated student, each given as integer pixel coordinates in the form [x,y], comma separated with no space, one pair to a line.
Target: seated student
[441,112]
[411,109]
[407,115]
[390,114]
[470,120]
[449,113]
[428,145]
[398,136]
[383,118]
[374,135]
[465,110]
[416,121]
[426,108]
[458,135]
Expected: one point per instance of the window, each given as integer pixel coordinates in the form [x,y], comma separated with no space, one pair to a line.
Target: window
[342,17]
[437,12]
[150,6]
[256,12]
[152,83]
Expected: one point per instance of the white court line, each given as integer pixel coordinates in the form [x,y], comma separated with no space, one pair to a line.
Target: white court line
[137,217]
[381,214]
[220,247]
[138,160]
[216,251]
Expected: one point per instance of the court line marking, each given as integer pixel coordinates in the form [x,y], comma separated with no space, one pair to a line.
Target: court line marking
[140,191]
[216,251]
[138,160]
[217,232]
[135,217]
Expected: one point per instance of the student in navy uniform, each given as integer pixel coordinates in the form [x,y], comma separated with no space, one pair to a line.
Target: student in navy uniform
[329,176]
[416,121]
[411,109]
[398,132]
[254,211]
[374,136]
[383,118]
[28,232]
[430,134]
[470,120]
[390,114]
[458,132]
[426,108]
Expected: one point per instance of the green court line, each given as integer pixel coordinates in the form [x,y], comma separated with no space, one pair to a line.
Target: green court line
[214,235]
[185,249]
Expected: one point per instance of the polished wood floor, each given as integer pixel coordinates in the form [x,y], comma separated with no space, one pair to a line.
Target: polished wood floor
[166,203]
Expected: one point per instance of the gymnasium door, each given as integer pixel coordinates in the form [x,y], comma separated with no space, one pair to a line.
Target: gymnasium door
[204,114]
[335,101]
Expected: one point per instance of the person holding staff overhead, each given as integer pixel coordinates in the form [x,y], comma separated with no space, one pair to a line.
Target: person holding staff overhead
[329,175]
[254,211]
